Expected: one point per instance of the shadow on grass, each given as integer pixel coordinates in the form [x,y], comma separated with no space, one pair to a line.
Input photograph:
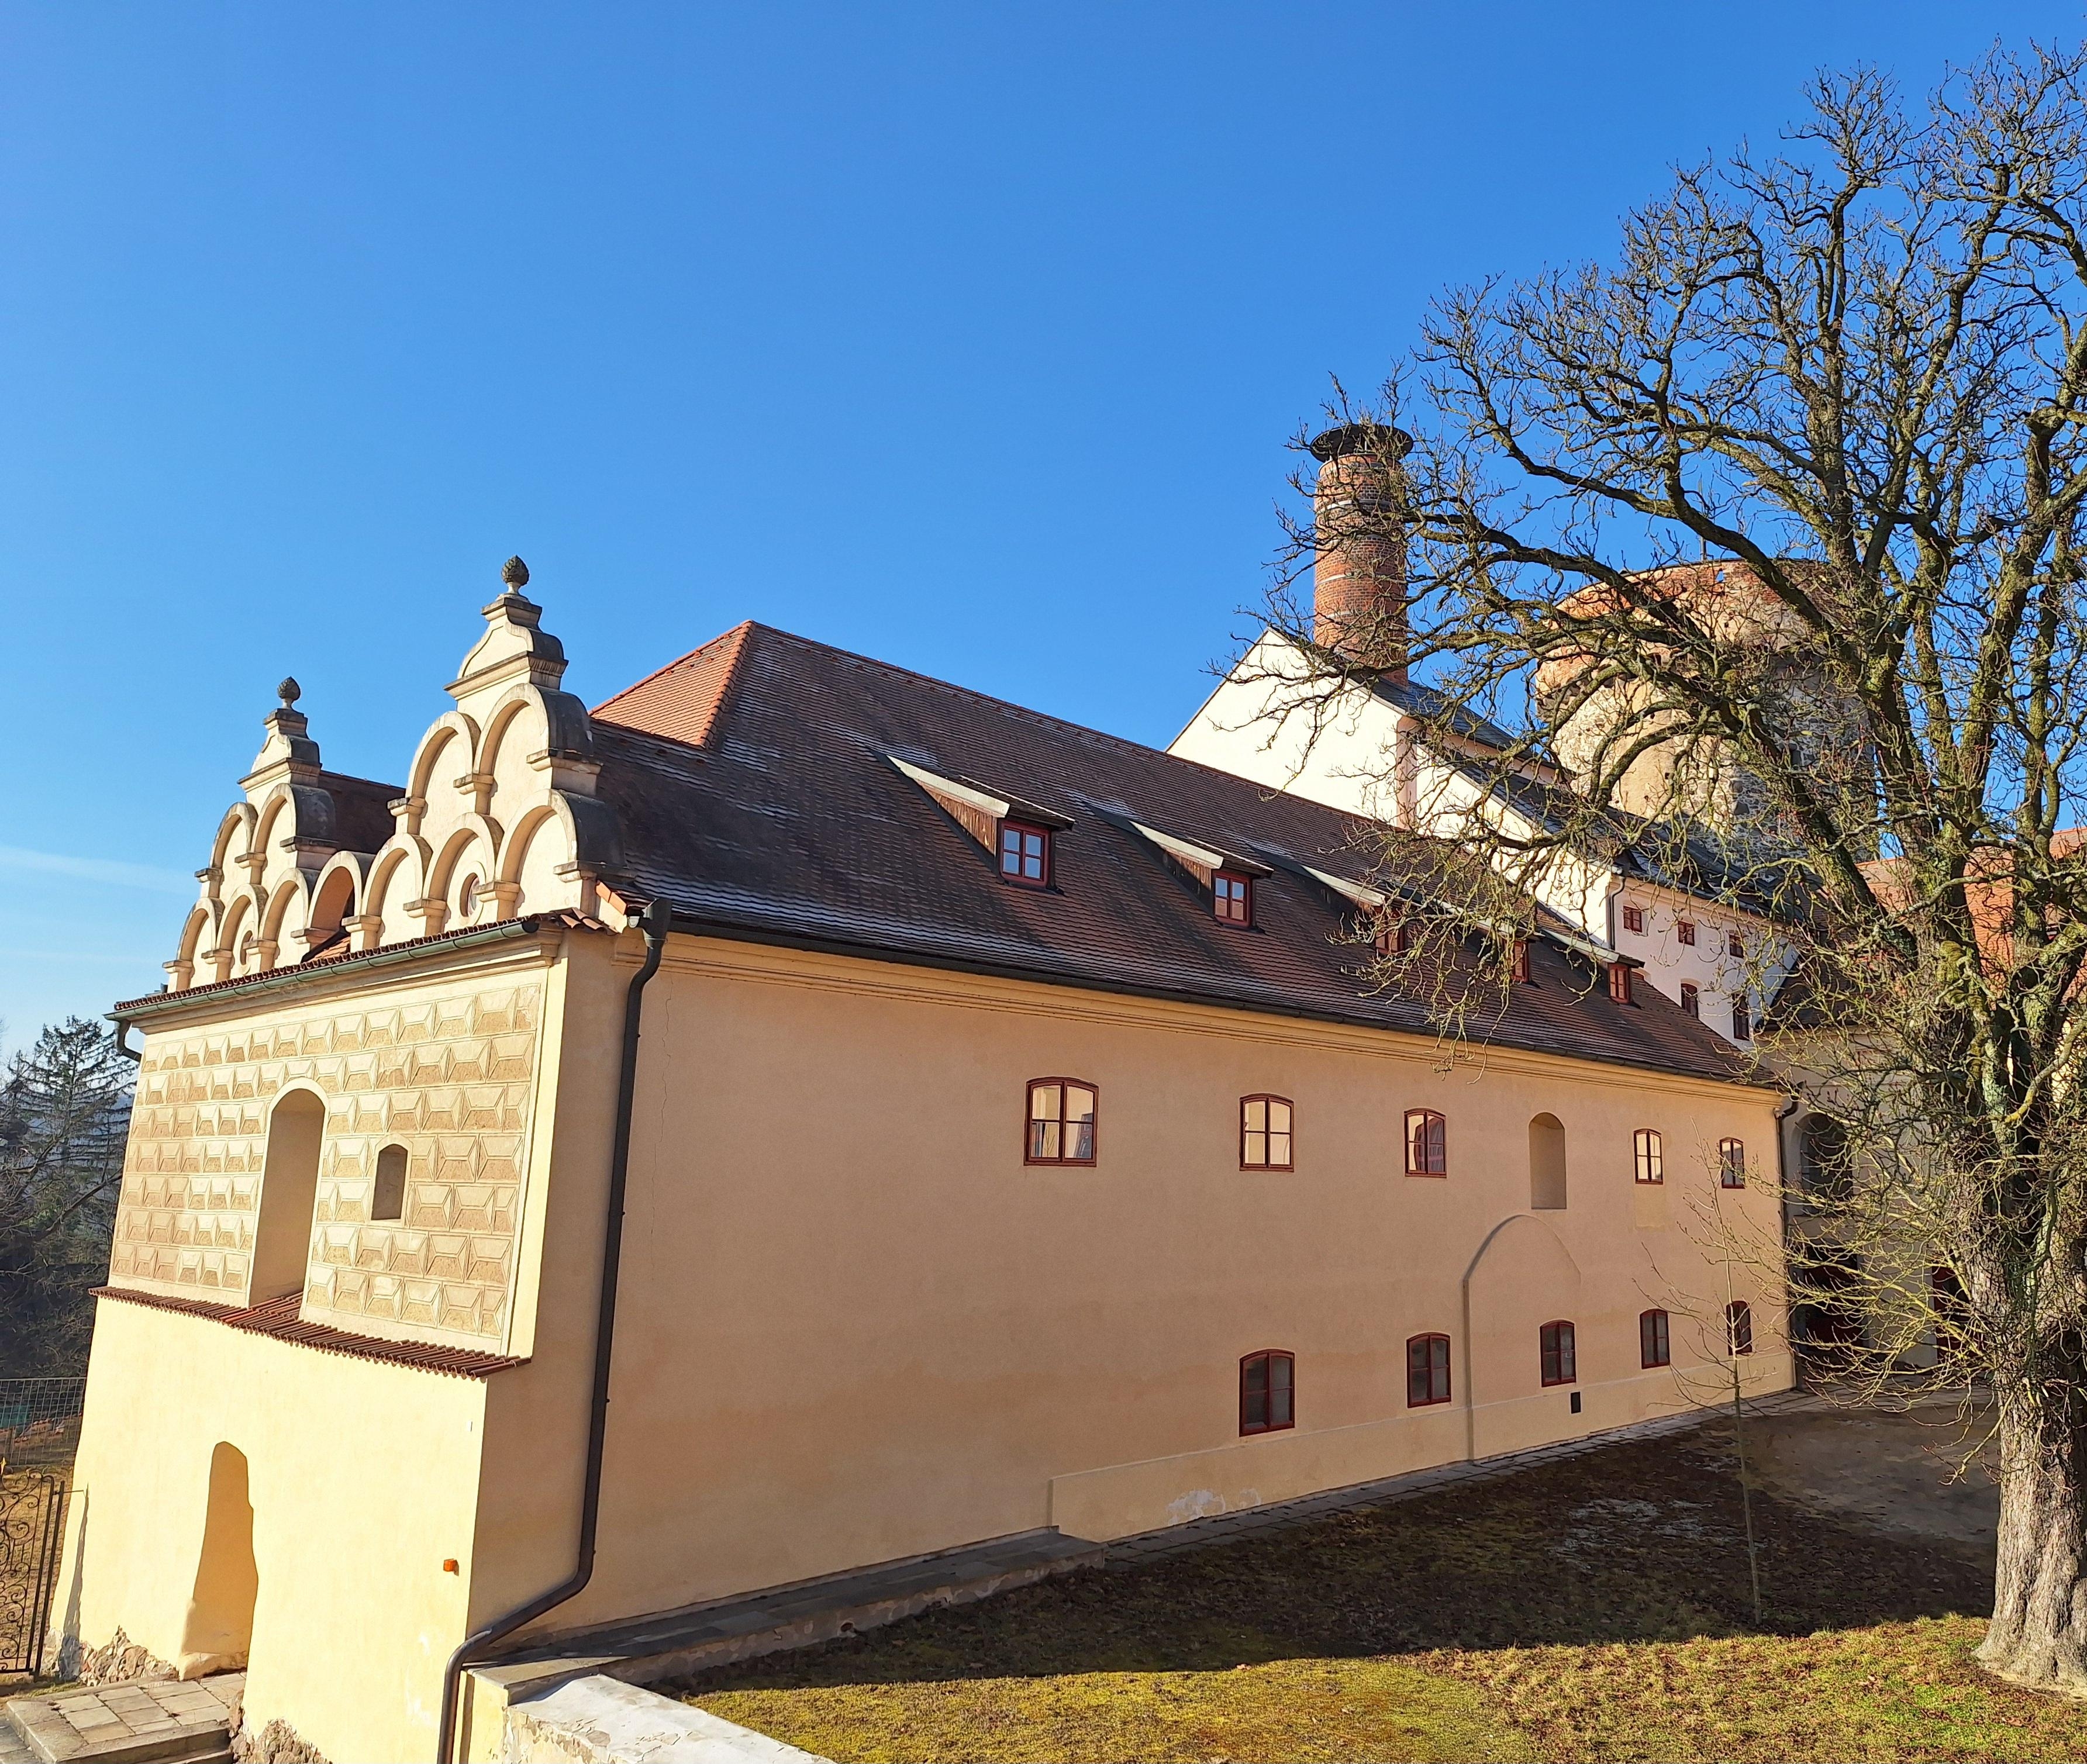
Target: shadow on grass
[1638,1543]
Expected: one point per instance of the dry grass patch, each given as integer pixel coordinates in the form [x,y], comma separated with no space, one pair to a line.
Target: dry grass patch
[1592,1609]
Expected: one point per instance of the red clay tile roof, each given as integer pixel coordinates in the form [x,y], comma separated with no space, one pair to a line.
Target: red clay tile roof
[278,1317]
[682,700]
[793,824]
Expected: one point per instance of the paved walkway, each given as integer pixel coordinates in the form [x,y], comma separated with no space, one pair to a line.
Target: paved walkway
[119,1724]
[1224,1527]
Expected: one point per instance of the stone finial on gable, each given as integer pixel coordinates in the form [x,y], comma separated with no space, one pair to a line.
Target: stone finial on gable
[289,754]
[515,648]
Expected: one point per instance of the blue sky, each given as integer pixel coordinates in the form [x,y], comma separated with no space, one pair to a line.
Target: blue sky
[967,336]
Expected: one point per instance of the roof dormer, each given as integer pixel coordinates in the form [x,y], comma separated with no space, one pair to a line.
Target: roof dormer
[1020,835]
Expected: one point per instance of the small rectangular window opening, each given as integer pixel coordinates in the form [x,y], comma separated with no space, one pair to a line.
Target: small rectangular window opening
[1268,1393]
[1634,920]
[1742,1022]
[1739,1327]
[1692,1000]
[1619,982]
[1652,1347]
[1735,945]
[1025,854]
[1684,932]
[1061,1127]
[1521,958]
[1233,898]
[1649,1156]
[1394,937]
[1427,1143]
[1555,1355]
[1731,1164]
[1265,1133]
[1426,1370]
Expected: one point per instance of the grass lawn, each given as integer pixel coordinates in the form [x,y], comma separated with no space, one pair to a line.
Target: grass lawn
[1597,1608]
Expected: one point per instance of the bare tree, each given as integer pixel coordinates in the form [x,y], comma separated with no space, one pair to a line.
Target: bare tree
[65,1108]
[1763,543]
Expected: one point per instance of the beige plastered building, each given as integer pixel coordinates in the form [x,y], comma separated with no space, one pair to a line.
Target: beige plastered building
[344,1364]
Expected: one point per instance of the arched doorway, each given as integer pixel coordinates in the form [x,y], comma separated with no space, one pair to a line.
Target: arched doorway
[1547,1164]
[289,1186]
[218,1627]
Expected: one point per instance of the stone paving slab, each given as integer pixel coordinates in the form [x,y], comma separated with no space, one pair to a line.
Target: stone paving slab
[1127,1553]
[127,1724]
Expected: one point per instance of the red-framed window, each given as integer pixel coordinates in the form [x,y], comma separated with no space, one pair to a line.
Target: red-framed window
[1692,999]
[1426,1370]
[1620,982]
[1735,945]
[1731,1164]
[1266,1141]
[1059,1127]
[1427,1143]
[1739,1327]
[1684,932]
[1520,959]
[1025,854]
[1231,897]
[1649,1156]
[1742,1020]
[1634,920]
[1268,1391]
[1555,1354]
[1652,1345]
[1394,936]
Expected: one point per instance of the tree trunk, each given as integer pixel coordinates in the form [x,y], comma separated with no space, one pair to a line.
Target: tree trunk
[2038,1635]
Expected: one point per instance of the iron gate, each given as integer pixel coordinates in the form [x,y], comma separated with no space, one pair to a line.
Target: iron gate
[31,1533]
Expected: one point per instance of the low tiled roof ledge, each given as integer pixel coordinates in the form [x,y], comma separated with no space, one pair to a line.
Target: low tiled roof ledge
[278,1318]
[363,961]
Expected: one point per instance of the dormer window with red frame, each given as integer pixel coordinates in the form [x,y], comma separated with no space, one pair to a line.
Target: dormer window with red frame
[1025,854]
[1521,958]
[1620,982]
[1394,936]
[1231,897]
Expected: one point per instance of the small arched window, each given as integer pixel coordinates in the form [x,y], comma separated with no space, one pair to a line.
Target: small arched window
[1555,1354]
[387,1193]
[1739,1327]
[1427,1143]
[1648,1154]
[1268,1392]
[1731,1164]
[1652,1348]
[1061,1127]
[1266,1141]
[1426,1370]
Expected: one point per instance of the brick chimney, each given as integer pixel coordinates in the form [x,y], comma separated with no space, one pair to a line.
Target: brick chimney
[1359,576]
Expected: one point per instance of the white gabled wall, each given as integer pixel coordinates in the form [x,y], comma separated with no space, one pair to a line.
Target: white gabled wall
[1347,748]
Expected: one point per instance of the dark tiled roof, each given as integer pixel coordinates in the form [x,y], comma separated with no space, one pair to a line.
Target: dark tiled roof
[278,1317]
[790,822]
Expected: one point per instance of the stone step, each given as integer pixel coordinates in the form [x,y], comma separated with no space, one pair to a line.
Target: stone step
[671,1644]
[133,1723]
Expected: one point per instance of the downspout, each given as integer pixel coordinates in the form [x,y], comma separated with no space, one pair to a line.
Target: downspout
[653,923]
[1784,1111]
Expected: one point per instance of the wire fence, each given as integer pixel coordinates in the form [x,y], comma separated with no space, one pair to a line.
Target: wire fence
[40,1421]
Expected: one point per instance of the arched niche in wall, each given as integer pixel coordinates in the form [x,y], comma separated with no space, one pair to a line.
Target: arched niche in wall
[289,1187]
[1547,1164]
